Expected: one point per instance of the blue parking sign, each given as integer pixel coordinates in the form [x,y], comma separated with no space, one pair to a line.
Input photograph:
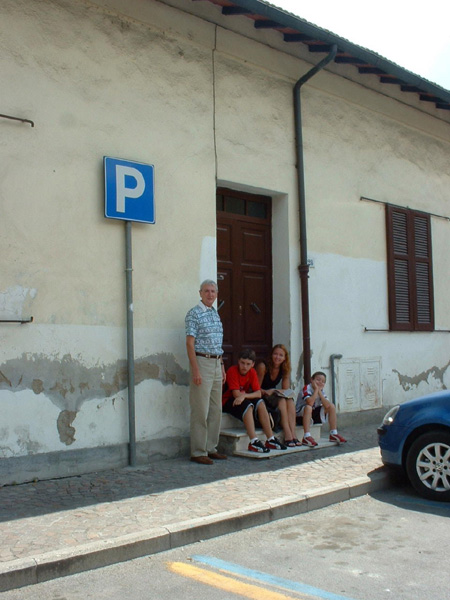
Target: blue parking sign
[129,190]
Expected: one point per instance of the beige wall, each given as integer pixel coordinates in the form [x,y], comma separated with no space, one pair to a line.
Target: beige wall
[96,84]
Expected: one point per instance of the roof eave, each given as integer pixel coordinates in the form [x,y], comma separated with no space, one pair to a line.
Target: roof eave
[291,21]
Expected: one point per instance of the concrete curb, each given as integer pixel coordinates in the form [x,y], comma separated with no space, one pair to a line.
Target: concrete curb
[51,565]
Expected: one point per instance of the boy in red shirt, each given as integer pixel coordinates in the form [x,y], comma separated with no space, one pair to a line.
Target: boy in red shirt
[242,397]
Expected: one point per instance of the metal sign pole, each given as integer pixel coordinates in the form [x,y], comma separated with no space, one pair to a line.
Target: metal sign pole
[129,196]
[130,346]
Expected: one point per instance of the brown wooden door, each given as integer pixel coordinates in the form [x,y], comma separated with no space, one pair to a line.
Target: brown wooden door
[244,268]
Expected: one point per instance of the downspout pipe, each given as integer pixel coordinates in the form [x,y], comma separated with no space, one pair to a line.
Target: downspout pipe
[304,267]
[333,357]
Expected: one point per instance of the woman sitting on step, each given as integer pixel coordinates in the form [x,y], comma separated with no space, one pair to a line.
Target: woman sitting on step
[271,373]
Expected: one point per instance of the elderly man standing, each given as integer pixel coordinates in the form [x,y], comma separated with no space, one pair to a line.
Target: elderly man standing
[204,336]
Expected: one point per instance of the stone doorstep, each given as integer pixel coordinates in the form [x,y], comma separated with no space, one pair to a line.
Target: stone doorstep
[322,443]
[230,422]
[234,438]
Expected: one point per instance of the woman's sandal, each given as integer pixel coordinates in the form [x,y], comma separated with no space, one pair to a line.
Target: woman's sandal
[296,442]
[290,443]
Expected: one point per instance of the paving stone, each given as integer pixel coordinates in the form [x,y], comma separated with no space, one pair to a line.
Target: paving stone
[51,516]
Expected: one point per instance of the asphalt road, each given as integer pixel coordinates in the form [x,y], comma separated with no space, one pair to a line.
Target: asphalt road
[390,545]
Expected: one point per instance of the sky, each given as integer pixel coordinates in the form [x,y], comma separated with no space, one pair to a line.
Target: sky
[414,35]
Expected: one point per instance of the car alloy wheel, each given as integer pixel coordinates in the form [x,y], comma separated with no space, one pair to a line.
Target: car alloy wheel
[428,465]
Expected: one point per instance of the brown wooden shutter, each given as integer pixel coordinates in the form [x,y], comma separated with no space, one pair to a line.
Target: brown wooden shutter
[423,273]
[409,270]
[399,278]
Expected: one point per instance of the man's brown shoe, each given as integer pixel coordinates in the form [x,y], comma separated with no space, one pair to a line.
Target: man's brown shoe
[217,456]
[203,460]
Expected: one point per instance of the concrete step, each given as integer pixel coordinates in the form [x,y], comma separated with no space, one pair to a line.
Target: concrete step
[231,423]
[322,443]
[234,440]
[239,438]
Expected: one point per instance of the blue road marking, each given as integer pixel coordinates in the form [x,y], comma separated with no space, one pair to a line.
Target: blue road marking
[216,563]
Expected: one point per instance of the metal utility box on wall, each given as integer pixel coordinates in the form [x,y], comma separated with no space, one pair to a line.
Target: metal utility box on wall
[359,384]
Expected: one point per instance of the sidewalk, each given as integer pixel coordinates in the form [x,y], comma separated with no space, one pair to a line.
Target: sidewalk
[59,527]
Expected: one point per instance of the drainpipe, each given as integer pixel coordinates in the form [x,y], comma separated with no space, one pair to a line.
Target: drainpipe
[333,357]
[304,267]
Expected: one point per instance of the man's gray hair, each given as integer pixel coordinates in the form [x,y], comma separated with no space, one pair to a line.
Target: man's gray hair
[208,282]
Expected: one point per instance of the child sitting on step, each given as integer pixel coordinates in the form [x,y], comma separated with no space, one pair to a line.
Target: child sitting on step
[313,405]
[242,397]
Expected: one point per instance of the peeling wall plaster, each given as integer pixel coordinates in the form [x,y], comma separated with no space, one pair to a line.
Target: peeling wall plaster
[68,383]
[65,429]
[440,375]
[16,301]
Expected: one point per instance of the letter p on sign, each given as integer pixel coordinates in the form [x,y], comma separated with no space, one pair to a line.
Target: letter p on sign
[129,190]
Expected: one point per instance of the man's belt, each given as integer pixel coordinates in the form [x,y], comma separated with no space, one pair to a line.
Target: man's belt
[216,356]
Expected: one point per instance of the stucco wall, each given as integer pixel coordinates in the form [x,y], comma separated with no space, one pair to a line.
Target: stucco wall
[355,152]
[358,144]
[96,84]
[204,105]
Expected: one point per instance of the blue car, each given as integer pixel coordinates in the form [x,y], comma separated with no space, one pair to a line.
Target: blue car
[415,435]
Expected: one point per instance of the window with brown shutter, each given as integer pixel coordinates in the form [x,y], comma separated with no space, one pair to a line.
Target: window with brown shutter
[410,276]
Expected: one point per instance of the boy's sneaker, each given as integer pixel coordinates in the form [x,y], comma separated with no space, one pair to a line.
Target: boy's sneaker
[275,444]
[309,441]
[257,446]
[335,437]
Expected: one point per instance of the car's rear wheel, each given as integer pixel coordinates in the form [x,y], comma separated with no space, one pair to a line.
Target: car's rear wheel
[428,465]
